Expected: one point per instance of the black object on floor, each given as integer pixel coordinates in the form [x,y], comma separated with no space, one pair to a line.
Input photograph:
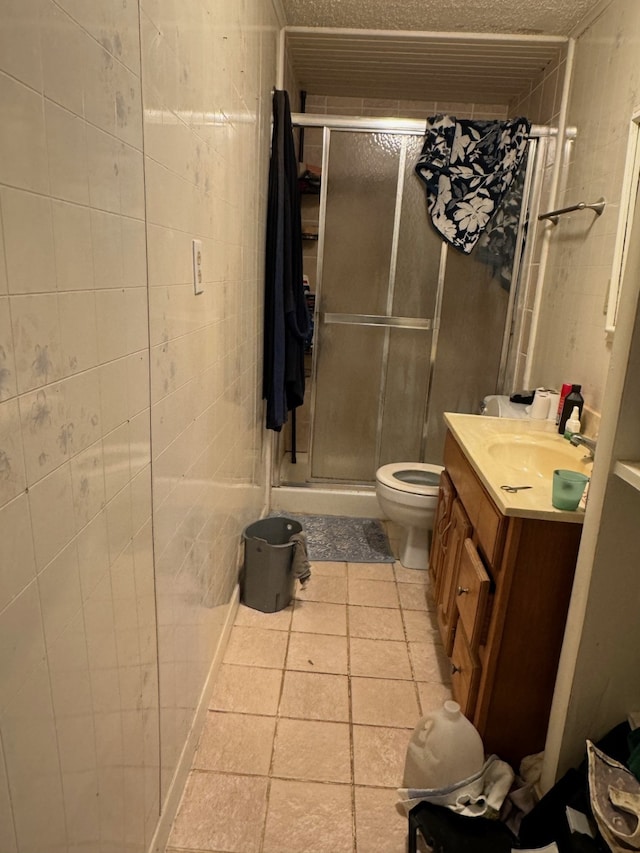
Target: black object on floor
[448,832]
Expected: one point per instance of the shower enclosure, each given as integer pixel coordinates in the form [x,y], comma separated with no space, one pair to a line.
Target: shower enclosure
[405,328]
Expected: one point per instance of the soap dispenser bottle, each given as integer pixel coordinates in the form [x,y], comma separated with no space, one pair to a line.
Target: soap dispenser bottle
[573,398]
[572,426]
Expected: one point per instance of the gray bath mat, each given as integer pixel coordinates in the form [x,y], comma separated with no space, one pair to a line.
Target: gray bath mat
[337,539]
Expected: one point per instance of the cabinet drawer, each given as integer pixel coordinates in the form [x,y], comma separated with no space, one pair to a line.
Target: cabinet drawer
[472,592]
[465,674]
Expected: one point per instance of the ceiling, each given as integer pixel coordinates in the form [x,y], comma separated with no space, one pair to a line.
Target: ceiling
[435,50]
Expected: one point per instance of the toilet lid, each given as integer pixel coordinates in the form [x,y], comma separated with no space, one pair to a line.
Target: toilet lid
[416,477]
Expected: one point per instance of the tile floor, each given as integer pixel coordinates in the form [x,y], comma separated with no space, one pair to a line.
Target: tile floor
[306,732]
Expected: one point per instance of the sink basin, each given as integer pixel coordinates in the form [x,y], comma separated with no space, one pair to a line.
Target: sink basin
[537,457]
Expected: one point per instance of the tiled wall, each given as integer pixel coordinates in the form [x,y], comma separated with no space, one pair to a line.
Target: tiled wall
[572,345]
[103,183]
[206,147]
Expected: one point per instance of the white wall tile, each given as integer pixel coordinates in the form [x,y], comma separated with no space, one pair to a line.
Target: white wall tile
[20,40]
[28,241]
[17,560]
[111,306]
[51,504]
[114,403]
[102,156]
[8,386]
[12,472]
[31,754]
[93,554]
[73,246]
[78,331]
[23,152]
[22,648]
[67,154]
[36,335]
[64,58]
[88,484]
[43,418]
[60,598]
[7,831]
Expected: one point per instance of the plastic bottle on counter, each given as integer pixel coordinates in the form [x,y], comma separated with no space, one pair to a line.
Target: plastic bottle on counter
[445,748]
[572,425]
[573,398]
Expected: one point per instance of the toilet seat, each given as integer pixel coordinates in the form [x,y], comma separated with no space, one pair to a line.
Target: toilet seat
[418,478]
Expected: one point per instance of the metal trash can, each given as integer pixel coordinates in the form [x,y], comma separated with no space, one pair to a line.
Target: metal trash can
[267,579]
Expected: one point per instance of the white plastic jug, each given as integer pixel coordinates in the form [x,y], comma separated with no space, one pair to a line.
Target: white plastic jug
[445,748]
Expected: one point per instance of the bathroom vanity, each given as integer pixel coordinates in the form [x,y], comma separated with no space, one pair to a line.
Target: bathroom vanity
[501,568]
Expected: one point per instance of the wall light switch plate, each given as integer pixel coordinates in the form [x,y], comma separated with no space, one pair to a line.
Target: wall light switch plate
[198,282]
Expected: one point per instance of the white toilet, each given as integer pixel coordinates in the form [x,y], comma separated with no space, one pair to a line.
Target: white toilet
[408,493]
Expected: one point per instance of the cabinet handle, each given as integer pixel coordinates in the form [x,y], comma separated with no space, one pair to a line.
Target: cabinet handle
[463,589]
[455,669]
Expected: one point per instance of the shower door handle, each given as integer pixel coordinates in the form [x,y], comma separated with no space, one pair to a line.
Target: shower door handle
[378,320]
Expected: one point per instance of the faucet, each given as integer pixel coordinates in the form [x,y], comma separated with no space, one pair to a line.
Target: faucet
[589,443]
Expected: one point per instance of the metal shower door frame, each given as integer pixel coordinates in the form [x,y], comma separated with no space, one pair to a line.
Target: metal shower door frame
[410,127]
[386,321]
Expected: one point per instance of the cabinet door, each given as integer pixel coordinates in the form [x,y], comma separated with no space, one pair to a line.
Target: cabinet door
[447,612]
[441,526]
[465,674]
[472,592]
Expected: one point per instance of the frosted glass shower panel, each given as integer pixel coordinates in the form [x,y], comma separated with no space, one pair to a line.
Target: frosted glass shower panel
[405,394]
[361,198]
[419,246]
[348,386]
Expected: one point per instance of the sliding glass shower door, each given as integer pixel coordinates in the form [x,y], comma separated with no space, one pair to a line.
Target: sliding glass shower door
[406,328]
[378,287]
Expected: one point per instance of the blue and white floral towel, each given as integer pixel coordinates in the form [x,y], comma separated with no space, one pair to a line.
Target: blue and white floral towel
[468,166]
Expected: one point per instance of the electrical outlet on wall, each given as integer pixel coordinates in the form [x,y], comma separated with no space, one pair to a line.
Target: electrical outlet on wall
[198,281]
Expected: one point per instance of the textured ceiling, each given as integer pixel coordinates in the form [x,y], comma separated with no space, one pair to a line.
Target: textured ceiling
[434,58]
[548,17]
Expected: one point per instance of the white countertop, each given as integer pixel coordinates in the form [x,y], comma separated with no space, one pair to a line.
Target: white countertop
[505,451]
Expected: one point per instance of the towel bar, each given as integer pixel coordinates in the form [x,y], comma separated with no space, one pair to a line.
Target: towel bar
[597,206]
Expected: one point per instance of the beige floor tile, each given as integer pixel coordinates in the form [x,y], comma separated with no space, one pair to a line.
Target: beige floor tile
[314,696]
[315,617]
[256,647]
[370,593]
[317,653]
[379,658]
[375,623]
[429,662]
[370,571]
[383,702]
[324,588]
[379,755]
[410,575]
[421,626]
[247,617]
[312,750]
[380,826]
[413,596]
[309,817]
[221,811]
[328,569]
[236,743]
[246,689]
[432,696]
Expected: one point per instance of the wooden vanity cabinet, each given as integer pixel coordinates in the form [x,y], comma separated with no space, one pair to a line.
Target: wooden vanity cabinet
[502,593]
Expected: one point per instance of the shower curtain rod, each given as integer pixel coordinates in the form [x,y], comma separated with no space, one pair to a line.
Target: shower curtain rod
[395,125]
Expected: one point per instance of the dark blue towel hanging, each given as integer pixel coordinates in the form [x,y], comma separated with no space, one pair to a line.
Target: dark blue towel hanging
[468,166]
[286,321]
